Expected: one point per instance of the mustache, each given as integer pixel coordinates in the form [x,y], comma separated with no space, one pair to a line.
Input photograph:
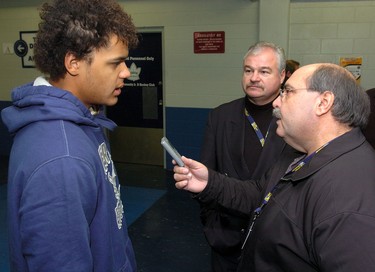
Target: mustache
[254,85]
[276,112]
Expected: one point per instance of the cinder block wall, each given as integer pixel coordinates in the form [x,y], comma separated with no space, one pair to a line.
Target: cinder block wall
[326,31]
[319,31]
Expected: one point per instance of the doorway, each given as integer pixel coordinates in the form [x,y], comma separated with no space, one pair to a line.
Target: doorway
[139,110]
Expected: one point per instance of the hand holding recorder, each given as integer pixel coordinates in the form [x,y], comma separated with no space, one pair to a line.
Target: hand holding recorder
[190,175]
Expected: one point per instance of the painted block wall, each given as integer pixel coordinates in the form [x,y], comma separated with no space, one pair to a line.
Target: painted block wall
[321,31]
[326,31]
[195,83]
[200,80]
[192,82]
[12,21]
[185,129]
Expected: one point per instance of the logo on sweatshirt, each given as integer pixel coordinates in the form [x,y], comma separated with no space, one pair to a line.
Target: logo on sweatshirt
[110,173]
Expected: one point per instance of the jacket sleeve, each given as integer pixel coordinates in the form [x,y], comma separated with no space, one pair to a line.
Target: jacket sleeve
[345,242]
[231,193]
[56,208]
[244,197]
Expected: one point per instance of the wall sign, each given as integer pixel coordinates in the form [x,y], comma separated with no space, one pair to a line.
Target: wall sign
[209,42]
[353,65]
[23,48]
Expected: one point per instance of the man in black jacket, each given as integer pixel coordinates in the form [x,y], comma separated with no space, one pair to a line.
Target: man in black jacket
[318,213]
[241,142]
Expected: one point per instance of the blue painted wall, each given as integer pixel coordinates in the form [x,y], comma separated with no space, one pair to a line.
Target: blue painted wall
[185,129]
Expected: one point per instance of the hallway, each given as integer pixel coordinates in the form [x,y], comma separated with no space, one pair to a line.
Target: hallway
[163,222]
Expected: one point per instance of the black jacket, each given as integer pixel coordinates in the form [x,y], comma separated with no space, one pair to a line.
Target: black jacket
[223,151]
[322,218]
[369,131]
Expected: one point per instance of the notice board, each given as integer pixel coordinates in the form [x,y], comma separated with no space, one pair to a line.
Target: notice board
[209,42]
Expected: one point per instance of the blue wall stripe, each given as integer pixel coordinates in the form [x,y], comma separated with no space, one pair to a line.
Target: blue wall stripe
[185,129]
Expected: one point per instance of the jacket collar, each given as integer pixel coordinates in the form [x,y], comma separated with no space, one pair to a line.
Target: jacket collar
[339,146]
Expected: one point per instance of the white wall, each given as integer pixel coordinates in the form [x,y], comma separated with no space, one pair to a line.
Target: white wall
[200,80]
[324,32]
[12,21]
[319,31]
[191,80]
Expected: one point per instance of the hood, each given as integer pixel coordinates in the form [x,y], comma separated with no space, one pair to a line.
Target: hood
[42,103]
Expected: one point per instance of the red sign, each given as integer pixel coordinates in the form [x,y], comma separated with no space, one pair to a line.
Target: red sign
[209,42]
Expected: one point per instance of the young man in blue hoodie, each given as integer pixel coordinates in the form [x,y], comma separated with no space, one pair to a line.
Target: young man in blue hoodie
[64,207]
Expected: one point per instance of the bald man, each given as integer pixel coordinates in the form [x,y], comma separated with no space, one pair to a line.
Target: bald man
[315,212]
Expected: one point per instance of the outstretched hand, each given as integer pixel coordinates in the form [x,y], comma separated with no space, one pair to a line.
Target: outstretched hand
[191,177]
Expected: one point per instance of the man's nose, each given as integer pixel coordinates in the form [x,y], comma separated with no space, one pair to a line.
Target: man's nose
[276,103]
[125,72]
[254,76]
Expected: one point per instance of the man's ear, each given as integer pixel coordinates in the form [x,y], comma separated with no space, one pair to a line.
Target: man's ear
[282,76]
[71,64]
[325,102]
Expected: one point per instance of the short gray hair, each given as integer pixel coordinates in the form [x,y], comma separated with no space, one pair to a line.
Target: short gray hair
[279,52]
[351,105]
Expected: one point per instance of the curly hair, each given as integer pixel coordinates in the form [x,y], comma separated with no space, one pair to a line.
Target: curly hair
[78,27]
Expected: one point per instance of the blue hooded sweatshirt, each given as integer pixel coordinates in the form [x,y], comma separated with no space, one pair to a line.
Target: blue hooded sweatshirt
[64,207]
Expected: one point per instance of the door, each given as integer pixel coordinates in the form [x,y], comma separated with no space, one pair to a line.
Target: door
[139,110]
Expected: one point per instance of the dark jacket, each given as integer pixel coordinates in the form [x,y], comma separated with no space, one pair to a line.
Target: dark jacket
[322,218]
[369,131]
[223,151]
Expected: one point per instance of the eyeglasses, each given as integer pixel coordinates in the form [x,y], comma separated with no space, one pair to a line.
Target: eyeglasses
[285,90]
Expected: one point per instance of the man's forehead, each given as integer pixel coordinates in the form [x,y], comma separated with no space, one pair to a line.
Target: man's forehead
[258,67]
[303,73]
[261,61]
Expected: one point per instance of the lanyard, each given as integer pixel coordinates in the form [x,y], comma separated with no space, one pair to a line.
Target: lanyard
[256,128]
[258,210]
